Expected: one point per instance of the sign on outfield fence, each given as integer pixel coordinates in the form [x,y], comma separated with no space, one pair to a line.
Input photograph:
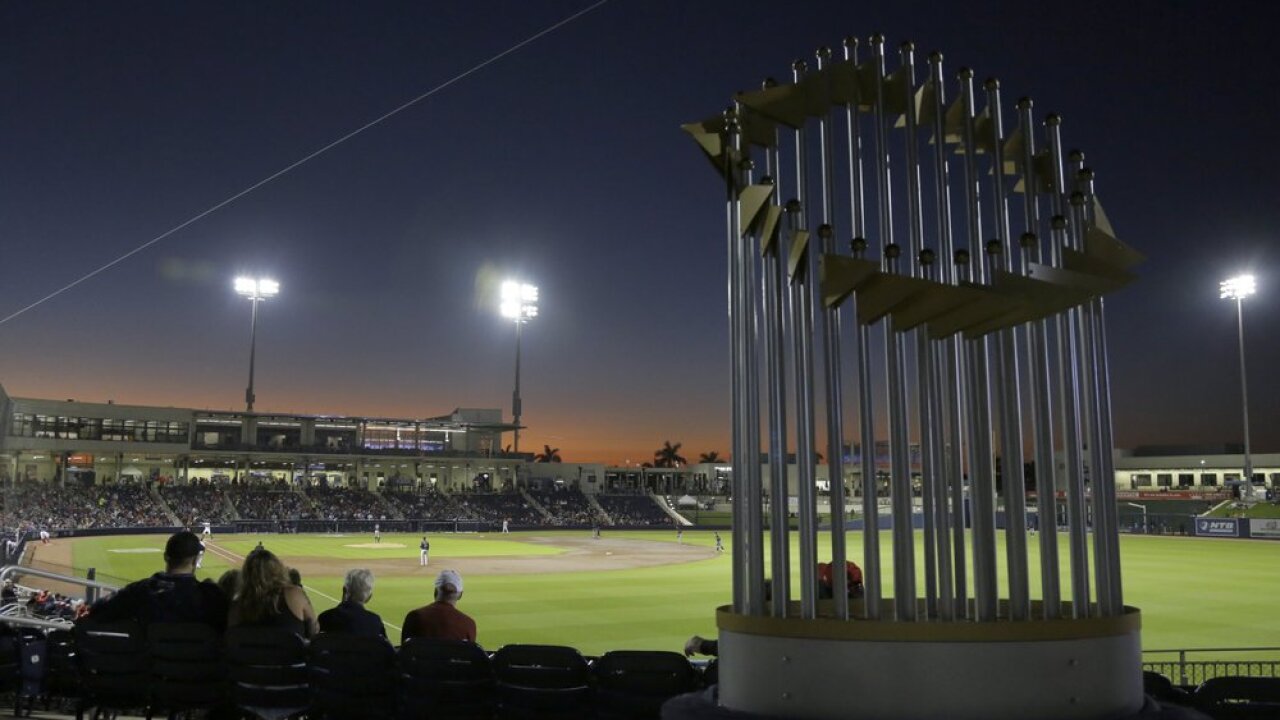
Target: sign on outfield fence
[1218,527]
[1269,528]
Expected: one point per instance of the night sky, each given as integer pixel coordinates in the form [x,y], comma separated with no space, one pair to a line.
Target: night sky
[562,164]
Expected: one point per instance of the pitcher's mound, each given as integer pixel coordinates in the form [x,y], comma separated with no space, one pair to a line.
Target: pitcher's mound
[389,546]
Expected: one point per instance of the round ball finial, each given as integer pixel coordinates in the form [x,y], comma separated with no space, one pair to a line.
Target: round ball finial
[995,247]
[1077,198]
[1024,103]
[1085,174]
[877,39]
[824,231]
[746,164]
[907,46]
[992,84]
[935,57]
[965,73]
[1058,222]
[1028,240]
[824,53]
[850,42]
[962,257]
[1053,119]
[858,246]
[768,83]
[766,180]
[927,257]
[793,206]
[799,66]
[892,251]
[1076,156]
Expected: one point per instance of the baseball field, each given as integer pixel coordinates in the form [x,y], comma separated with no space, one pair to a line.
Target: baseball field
[643,590]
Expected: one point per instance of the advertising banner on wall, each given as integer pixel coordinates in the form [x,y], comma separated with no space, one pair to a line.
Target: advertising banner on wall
[1267,528]
[1218,527]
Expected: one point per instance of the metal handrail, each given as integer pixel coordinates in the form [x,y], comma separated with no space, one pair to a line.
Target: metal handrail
[1192,672]
[22,570]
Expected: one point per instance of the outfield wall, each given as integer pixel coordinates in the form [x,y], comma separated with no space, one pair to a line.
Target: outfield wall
[1253,528]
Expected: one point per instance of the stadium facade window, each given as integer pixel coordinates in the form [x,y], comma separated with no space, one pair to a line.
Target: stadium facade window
[1140,480]
[1231,477]
[1209,479]
[1259,479]
[1186,480]
[1164,479]
[1275,479]
[23,425]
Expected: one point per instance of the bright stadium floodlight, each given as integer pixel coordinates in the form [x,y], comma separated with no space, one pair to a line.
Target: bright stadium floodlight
[519,302]
[1238,288]
[256,289]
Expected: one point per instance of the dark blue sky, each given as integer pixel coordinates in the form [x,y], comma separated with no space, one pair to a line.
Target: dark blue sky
[563,164]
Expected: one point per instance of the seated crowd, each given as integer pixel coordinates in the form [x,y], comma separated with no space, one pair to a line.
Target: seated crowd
[428,505]
[341,503]
[496,507]
[74,506]
[196,504]
[567,506]
[267,502]
[31,506]
[633,510]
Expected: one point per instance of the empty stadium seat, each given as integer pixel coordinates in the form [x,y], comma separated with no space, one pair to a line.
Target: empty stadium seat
[635,683]
[186,668]
[352,676]
[445,679]
[267,668]
[1161,688]
[113,667]
[541,681]
[1239,698]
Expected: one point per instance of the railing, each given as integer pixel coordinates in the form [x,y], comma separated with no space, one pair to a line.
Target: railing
[1188,672]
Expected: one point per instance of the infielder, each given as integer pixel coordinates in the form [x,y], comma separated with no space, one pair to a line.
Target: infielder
[377,533]
[424,549]
[207,532]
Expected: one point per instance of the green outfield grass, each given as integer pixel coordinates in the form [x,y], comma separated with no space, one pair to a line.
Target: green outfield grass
[1193,592]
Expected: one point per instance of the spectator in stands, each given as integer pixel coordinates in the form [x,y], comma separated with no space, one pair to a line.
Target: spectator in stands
[441,619]
[701,646]
[350,616]
[170,596]
[268,599]
[230,583]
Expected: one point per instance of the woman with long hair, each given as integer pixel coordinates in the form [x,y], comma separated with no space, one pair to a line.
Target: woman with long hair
[267,598]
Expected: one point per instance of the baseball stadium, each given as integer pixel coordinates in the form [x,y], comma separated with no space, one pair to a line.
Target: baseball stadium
[924,511]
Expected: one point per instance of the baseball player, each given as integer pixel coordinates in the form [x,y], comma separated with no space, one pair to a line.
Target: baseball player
[424,549]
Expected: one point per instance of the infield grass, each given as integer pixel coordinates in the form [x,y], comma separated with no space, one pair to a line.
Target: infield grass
[1194,592]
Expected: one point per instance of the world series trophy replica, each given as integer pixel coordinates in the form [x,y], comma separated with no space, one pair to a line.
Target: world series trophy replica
[970,294]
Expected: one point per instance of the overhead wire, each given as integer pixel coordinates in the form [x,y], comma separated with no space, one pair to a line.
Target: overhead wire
[298,163]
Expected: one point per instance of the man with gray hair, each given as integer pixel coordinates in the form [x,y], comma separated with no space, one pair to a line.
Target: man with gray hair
[441,619]
[350,616]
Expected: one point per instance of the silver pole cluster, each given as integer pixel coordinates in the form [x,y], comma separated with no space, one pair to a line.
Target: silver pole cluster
[977,338]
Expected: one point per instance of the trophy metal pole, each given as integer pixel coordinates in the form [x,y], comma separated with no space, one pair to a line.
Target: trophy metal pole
[828,319]
[862,349]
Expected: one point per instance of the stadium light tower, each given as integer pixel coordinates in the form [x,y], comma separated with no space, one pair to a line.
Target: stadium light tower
[1238,288]
[256,289]
[519,303]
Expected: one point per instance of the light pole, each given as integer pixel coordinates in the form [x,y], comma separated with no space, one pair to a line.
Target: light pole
[519,303]
[256,289]
[1238,288]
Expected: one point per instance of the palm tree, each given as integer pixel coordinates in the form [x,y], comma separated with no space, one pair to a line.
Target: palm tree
[548,455]
[668,456]
[710,457]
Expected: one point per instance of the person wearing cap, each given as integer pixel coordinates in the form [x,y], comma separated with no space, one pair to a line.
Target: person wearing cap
[350,616]
[174,595]
[441,620]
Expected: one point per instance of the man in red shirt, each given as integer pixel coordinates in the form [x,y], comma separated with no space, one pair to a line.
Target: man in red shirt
[441,619]
[826,583]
